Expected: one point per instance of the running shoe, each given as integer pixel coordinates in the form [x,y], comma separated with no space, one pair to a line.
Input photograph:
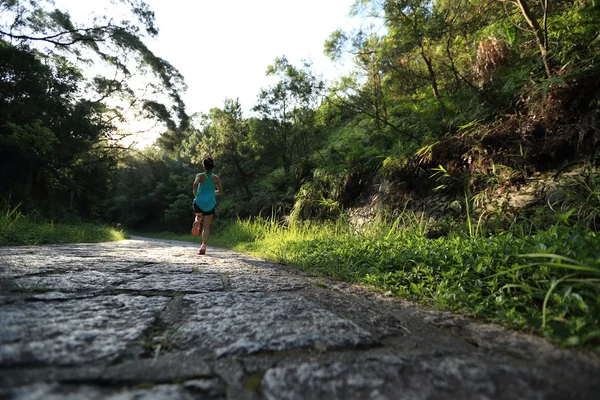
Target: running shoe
[196,228]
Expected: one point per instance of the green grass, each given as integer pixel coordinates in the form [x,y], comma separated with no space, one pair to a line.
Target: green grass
[17,229]
[546,282]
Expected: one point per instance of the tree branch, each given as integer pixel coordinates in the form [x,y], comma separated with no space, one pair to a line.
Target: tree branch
[359,110]
[51,38]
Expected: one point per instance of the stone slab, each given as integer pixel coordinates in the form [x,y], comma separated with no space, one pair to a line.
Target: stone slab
[86,281]
[247,323]
[74,332]
[205,388]
[260,283]
[190,283]
[163,368]
[416,378]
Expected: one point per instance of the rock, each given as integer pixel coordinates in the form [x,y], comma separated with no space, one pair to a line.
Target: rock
[247,323]
[74,332]
[416,378]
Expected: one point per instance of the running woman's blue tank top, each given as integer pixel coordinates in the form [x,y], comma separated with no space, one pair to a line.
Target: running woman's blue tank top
[205,195]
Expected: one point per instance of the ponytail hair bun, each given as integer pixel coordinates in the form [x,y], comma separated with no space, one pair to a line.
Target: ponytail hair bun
[208,163]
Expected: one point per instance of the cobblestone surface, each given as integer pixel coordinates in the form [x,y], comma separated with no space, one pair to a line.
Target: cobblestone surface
[150,319]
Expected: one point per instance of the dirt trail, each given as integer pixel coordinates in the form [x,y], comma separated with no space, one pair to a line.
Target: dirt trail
[150,319]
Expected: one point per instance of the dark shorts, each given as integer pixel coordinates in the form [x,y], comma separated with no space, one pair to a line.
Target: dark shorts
[197,210]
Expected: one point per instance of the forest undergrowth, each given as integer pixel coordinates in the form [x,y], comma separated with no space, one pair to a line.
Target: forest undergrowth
[18,229]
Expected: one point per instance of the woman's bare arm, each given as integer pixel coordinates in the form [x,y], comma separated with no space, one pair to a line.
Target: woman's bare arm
[217,182]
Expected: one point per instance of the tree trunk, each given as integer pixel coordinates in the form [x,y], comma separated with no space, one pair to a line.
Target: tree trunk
[432,77]
[540,36]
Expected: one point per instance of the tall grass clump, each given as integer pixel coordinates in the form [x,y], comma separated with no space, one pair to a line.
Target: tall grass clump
[270,237]
[580,194]
[18,229]
[547,282]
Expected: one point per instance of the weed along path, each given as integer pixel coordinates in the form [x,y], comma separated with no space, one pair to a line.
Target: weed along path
[150,319]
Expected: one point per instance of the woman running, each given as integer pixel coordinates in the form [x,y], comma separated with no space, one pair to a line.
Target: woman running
[206,187]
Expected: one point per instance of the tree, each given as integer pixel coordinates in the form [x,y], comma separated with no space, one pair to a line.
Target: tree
[56,123]
[363,92]
[287,112]
[224,135]
[149,191]
[41,128]
[540,31]
[118,46]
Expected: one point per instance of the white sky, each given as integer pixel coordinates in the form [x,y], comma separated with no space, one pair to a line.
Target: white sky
[223,47]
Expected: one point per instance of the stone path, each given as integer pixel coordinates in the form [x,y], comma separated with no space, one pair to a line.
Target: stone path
[149,319]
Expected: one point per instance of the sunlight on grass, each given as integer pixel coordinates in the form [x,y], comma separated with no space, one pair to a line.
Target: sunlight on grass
[498,278]
[17,229]
[542,281]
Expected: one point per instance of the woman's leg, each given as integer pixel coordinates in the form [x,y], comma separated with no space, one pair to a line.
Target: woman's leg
[206,228]
[197,220]
[196,224]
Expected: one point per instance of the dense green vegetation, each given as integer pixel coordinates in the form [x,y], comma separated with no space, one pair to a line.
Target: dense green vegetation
[17,229]
[58,125]
[547,282]
[452,108]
